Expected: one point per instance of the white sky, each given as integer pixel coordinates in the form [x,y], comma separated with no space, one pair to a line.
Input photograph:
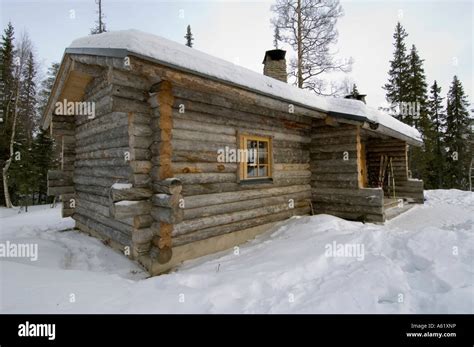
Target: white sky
[240,31]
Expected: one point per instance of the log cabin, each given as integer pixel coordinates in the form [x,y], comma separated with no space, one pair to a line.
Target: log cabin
[183,154]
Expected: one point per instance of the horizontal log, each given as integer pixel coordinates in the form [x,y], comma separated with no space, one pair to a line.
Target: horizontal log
[105,230]
[128,209]
[117,172]
[206,211]
[166,200]
[60,183]
[295,173]
[188,124]
[201,178]
[168,186]
[241,195]
[60,190]
[203,167]
[142,221]
[104,154]
[192,135]
[101,125]
[119,142]
[141,166]
[347,200]
[94,181]
[334,177]
[236,226]
[142,235]
[190,225]
[345,207]
[132,193]
[92,205]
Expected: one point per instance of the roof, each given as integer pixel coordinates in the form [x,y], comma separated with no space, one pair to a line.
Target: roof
[169,53]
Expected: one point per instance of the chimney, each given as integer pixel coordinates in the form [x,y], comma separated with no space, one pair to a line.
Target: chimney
[274,64]
[360,97]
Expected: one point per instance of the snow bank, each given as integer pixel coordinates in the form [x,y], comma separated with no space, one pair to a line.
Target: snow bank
[170,52]
[420,262]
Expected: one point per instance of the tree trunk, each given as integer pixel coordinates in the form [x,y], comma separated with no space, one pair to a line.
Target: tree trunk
[300,52]
[8,202]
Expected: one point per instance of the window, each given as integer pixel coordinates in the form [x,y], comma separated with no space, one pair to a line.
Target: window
[256,163]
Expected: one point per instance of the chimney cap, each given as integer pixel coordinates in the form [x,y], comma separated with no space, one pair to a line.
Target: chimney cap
[274,54]
[360,97]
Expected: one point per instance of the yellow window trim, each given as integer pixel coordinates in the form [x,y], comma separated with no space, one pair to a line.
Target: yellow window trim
[243,165]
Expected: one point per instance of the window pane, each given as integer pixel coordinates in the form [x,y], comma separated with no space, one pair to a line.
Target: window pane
[262,171]
[251,171]
[252,151]
[262,156]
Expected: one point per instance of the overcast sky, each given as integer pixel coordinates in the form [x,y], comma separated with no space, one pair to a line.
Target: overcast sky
[240,31]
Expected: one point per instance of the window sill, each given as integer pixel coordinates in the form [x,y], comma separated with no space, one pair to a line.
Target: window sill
[256,181]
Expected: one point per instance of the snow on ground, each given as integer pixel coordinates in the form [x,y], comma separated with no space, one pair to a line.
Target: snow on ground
[419,262]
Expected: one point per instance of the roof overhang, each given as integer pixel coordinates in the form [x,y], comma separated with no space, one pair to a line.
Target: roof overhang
[71,81]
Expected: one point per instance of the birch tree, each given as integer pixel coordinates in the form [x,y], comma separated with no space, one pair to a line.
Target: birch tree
[309,28]
[19,62]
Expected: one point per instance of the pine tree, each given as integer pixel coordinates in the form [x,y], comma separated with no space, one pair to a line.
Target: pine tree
[438,121]
[398,73]
[456,138]
[189,37]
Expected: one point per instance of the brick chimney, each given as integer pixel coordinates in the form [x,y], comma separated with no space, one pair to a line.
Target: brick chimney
[274,64]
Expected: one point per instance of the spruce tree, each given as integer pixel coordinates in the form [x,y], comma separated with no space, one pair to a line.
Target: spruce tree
[457,137]
[438,120]
[416,89]
[46,87]
[28,115]
[415,113]
[396,90]
[189,37]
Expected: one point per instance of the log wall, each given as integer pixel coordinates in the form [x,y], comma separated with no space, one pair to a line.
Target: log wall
[335,179]
[113,148]
[215,201]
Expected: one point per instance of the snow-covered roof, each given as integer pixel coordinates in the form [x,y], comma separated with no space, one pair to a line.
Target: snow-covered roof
[170,53]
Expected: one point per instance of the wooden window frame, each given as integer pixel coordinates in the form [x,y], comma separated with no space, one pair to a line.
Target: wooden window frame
[243,138]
